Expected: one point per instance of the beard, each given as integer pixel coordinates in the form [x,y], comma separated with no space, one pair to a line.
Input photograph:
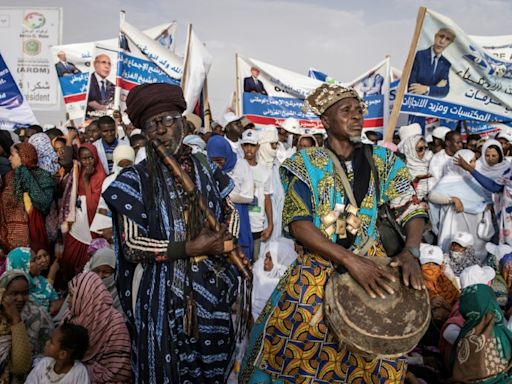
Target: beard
[355,139]
[176,140]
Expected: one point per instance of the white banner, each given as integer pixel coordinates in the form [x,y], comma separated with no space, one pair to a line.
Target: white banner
[143,60]
[197,65]
[26,37]
[452,77]
[268,94]
[498,46]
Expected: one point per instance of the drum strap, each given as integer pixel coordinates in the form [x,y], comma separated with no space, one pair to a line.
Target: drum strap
[367,241]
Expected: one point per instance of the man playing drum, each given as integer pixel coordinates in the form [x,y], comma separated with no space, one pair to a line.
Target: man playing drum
[290,341]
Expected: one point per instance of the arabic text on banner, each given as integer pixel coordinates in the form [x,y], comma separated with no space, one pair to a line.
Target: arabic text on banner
[453,77]
[269,94]
[27,34]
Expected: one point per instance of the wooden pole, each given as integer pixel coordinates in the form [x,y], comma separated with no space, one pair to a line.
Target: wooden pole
[207,113]
[237,87]
[404,80]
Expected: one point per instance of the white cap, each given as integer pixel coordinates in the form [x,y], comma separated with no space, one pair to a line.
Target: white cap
[194,119]
[227,118]
[431,254]
[476,274]
[440,132]
[291,125]
[498,250]
[505,132]
[136,131]
[268,134]
[464,239]
[250,136]
[409,131]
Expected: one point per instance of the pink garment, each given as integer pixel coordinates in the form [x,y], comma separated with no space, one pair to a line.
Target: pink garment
[108,357]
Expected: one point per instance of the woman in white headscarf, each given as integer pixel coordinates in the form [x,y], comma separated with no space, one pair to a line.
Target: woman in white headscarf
[417,156]
[267,155]
[460,202]
[274,260]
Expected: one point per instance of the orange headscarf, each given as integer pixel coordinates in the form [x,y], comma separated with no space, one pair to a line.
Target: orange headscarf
[438,284]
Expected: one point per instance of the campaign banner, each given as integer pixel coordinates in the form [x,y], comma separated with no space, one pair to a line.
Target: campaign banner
[373,86]
[268,94]
[14,109]
[27,34]
[142,60]
[499,46]
[73,63]
[453,77]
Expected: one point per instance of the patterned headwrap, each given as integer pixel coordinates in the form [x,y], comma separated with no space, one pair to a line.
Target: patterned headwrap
[27,154]
[327,95]
[46,156]
[147,100]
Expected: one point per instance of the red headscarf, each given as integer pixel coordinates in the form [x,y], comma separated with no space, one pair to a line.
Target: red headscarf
[28,154]
[92,191]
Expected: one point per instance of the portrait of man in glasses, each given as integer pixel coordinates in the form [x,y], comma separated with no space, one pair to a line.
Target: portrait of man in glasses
[101,90]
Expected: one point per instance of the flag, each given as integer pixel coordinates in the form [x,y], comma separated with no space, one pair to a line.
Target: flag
[196,67]
[14,109]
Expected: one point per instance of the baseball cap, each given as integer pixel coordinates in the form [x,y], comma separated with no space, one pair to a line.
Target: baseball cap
[227,118]
[498,250]
[476,274]
[292,125]
[440,132]
[431,254]
[464,239]
[250,136]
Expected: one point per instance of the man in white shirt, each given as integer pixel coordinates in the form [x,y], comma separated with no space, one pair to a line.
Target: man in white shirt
[260,212]
[453,143]
[233,128]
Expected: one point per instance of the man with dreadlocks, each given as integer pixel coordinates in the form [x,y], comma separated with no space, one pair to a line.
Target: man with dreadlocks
[176,288]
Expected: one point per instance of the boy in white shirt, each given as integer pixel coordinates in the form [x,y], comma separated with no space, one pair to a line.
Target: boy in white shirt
[260,212]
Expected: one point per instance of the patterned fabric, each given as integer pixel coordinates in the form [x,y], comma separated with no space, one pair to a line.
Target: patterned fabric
[13,217]
[476,303]
[46,156]
[38,184]
[327,95]
[38,324]
[161,301]
[41,292]
[438,284]
[108,357]
[290,338]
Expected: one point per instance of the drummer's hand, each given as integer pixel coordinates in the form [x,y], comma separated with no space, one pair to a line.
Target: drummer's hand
[372,277]
[411,270]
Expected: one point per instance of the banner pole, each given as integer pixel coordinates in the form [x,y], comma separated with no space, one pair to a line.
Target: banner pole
[207,113]
[393,118]
[237,83]
[117,94]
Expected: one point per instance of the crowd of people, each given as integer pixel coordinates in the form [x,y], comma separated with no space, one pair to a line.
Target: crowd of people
[110,273]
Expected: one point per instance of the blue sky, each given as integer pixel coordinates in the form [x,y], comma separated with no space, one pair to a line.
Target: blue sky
[343,38]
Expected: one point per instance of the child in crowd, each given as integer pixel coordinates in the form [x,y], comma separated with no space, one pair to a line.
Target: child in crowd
[260,212]
[63,353]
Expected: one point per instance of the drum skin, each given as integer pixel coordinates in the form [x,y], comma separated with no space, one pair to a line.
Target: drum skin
[386,328]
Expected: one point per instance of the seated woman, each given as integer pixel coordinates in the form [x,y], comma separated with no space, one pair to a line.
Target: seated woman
[90,305]
[274,259]
[41,292]
[457,204]
[442,292]
[483,349]
[103,263]
[15,348]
